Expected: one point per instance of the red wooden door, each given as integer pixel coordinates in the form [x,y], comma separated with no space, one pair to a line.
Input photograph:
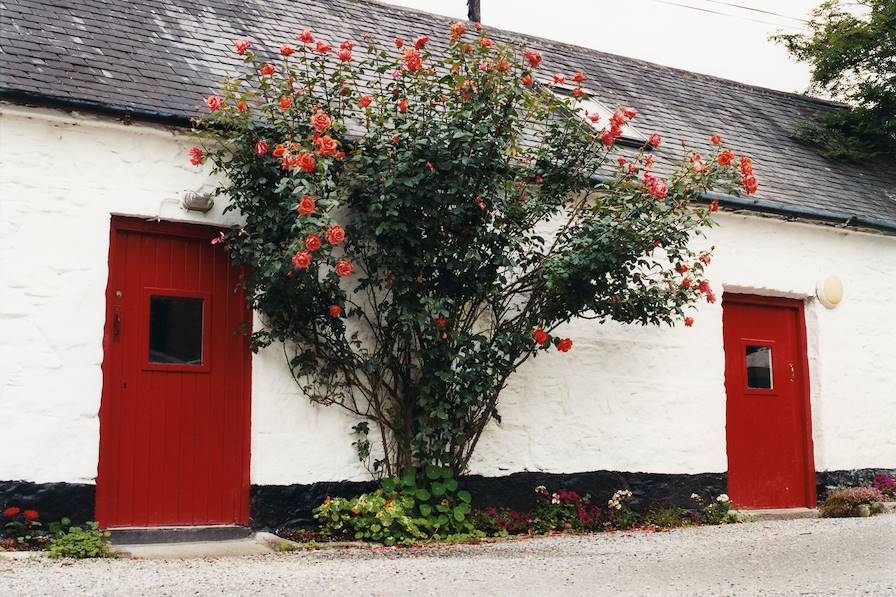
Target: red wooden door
[770,457]
[174,420]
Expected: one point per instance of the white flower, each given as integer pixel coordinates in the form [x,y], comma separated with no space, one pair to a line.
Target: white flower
[555,499]
[694,496]
[723,498]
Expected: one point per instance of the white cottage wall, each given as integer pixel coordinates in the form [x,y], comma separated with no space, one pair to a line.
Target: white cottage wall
[625,398]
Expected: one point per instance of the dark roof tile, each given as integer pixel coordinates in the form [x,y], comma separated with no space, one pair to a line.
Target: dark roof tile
[166,56]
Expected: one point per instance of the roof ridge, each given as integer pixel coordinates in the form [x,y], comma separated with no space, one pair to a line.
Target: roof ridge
[656,65]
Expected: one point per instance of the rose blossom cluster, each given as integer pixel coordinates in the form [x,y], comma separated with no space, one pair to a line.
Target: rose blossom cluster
[542,339]
[619,498]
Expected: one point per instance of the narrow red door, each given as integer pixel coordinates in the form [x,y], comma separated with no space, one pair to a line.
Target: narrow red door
[770,458]
[174,420]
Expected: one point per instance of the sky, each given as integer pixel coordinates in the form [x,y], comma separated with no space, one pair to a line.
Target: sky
[687,34]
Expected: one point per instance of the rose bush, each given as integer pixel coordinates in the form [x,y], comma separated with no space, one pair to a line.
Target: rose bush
[419,224]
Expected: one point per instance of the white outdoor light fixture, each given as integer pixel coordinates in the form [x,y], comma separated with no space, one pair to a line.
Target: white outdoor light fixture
[830,291]
[198,202]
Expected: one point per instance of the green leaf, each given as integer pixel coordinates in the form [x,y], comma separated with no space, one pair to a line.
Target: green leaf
[459,514]
[438,489]
[464,496]
[432,472]
[451,485]
[425,510]
[422,495]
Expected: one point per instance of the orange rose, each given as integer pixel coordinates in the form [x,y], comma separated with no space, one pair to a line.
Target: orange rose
[335,234]
[344,268]
[306,162]
[306,206]
[321,122]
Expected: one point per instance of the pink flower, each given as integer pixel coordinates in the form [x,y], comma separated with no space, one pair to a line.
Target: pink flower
[533,58]
[261,148]
[344,55]
[302,260]
[195,156]
[312,243]
[749,184]
[457,30]
[559,79]
[335,234]
[412,61]
[287,50]
[485,43]
[306,206]
[285,103]
[267,70]
[654,140]
[305,37]
[344,268]
[322,48]
[241,46]
[214,103]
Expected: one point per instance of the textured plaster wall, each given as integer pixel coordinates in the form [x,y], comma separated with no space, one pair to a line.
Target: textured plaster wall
[625,398]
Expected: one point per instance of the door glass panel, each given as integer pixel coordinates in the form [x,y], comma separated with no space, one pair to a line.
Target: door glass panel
[759,367]
[175,330]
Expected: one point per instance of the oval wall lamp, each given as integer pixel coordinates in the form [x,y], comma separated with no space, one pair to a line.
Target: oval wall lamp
[829,291]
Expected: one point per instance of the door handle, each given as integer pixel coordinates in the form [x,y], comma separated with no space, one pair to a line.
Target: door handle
[792,374]
[116,323]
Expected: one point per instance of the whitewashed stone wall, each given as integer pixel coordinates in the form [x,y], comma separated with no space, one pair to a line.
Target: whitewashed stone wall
[625,398]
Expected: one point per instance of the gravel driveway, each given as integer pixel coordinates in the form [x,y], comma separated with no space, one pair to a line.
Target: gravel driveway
[799,557]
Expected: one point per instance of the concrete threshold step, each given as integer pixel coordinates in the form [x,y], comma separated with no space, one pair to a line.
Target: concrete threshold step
[167,535]
[777,514]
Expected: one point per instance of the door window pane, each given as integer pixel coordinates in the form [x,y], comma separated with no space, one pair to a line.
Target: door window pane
[175,330]
[759,367]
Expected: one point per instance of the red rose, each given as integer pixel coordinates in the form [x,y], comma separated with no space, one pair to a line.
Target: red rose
[195,156]
[578,93]
[540,336]
[594,118]
[306,206]
[656,187]
[420,42]
[306,162]
[655,140]
[340,155]
[714,206]
[457,30]
[629,113]
[312,243]
[279,150]
[344,55]
[440,322]
[335,311]
[749,183]
[412,61]
[214,103]
[403,106]
[321,122]
[287,50]
[267,70]
[715,140]
[30,515]
[241,46]
[326,145]
[11,512]
[486,43]
[480,203]
[335,234]
[564,345]
[399,43]
[688,322]
[305,37]
[746,166]
[559,79]
[261,148]
[725,158]
[364,101]
[579,78]
[285,103]
[344,268]
[322,48]
[528,81]
[242,107]
[533,58]
[686,283]
[394,139]
[346,45]
[302,260]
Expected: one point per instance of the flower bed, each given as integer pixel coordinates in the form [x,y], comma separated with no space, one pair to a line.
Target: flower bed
[23,531]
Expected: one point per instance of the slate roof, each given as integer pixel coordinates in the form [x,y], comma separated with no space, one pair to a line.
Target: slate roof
[165,56]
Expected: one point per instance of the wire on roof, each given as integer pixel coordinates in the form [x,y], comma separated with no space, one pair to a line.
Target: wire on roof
[727,14]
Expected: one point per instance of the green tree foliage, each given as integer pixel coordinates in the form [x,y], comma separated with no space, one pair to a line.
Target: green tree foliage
[853,58]
[417,227]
